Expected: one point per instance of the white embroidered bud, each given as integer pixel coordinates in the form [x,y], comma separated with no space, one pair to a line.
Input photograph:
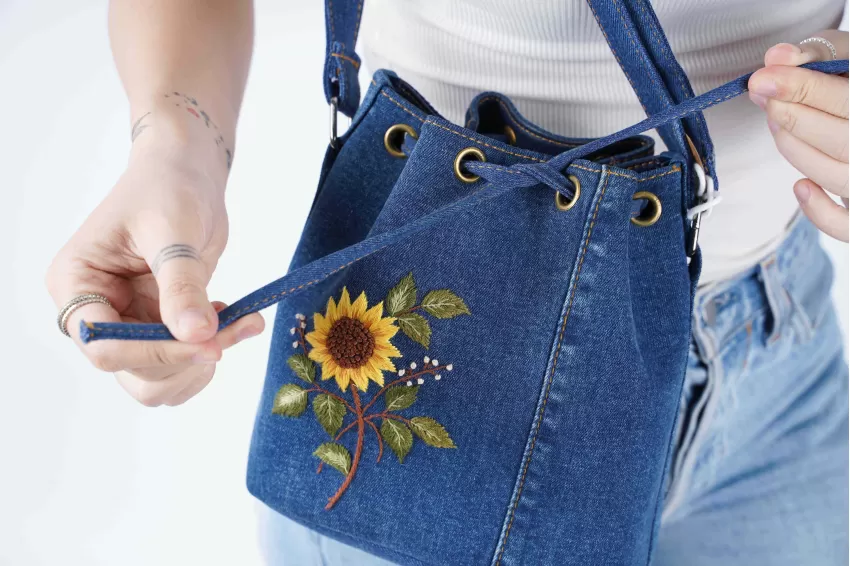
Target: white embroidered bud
[412,365]
[420,381]
[409,383]
[435,363]
[426,359]
[300,316]
[292,330]
[438,377]
[401,373]
[295,344]
[449,367]
[303,325]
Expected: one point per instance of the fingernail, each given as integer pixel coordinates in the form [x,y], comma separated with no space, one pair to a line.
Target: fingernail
[802,192]
[246,333]
[205,357]
[765,87]
[758,100]
[772,126]
[192,320]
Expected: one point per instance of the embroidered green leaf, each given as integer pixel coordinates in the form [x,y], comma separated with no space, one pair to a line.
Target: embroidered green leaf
[400,397]
[431,432]
[334,455]
[415,327]
[442,303]
[303,367]
[290,401]
[329,412]
[401,297]
[398,437]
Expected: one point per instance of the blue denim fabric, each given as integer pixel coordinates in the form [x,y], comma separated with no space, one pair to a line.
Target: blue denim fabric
[760,472]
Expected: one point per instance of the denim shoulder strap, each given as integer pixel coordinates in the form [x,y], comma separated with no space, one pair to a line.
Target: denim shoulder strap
[519,177]
[342,23]
[637,41]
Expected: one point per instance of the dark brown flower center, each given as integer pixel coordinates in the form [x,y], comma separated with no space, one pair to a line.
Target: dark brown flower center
[350,343]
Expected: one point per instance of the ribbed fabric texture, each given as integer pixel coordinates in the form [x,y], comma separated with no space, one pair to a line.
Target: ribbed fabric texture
[551,58]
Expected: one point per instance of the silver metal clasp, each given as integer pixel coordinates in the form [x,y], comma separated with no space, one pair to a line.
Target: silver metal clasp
[334,113]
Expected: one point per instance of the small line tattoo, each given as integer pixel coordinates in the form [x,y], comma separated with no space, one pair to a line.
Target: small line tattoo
[138,127]
[190,104]
[173,252]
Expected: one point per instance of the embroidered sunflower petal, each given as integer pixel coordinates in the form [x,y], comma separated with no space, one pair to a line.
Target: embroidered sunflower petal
[342,380]
[330,369]
[373,315]
[384,329]
[387,350]
[358,307]
[320,355]
[331,311]
[321,325]
[317,339]
[343,308]
[383,363]
[356,376]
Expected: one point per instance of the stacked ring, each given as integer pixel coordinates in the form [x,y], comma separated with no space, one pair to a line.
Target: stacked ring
[75,303]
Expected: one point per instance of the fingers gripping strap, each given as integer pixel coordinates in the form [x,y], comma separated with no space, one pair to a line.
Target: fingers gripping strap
[319,270]
[342,23]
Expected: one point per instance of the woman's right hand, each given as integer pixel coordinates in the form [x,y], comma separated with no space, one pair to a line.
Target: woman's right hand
[151,247]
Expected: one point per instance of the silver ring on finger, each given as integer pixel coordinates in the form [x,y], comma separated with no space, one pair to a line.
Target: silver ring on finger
[79,301]
[822,41]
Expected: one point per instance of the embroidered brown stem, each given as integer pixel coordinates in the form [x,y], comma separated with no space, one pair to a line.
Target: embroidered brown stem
[336,439]
[388,416]
[301,341]
[430,370]
[358,450]
[380,440]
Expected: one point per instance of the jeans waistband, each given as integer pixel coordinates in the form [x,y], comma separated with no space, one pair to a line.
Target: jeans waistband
[790,285]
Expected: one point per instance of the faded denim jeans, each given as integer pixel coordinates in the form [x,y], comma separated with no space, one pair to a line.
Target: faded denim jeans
[759,475]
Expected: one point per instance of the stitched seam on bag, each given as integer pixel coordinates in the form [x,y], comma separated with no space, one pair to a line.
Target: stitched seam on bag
[655,79]
[357,27]
[617,57]
[347,58]
[331,17]
[552,373]
[400,105]
[261,304]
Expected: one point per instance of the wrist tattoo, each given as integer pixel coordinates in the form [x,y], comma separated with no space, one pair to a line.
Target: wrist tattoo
[138,127]
[191,105]
[173,252]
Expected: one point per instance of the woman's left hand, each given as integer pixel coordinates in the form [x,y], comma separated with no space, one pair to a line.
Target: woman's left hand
[807,114]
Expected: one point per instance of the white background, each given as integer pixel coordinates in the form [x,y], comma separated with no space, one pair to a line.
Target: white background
[88,477]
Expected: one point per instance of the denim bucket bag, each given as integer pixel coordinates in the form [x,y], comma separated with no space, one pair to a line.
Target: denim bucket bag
[480,345]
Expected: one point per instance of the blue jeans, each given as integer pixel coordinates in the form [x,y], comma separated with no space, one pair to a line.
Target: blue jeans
[759,475]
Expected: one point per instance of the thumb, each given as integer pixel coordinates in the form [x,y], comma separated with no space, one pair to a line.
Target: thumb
[182,276]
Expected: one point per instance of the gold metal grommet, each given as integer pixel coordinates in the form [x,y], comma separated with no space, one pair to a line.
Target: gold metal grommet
[394,137]
[511,135]
[652,212]
[464,155]
[562,202]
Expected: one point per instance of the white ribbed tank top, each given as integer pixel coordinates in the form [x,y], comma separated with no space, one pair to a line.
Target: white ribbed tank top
[551,59]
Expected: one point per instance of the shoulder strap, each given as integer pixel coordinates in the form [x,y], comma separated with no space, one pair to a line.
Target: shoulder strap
[637,40]
[342,23]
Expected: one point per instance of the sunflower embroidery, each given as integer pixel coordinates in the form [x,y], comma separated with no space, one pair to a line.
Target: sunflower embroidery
[353,344]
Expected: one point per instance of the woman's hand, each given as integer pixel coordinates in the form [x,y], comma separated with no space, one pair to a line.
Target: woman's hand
[151,247]
[807,114]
